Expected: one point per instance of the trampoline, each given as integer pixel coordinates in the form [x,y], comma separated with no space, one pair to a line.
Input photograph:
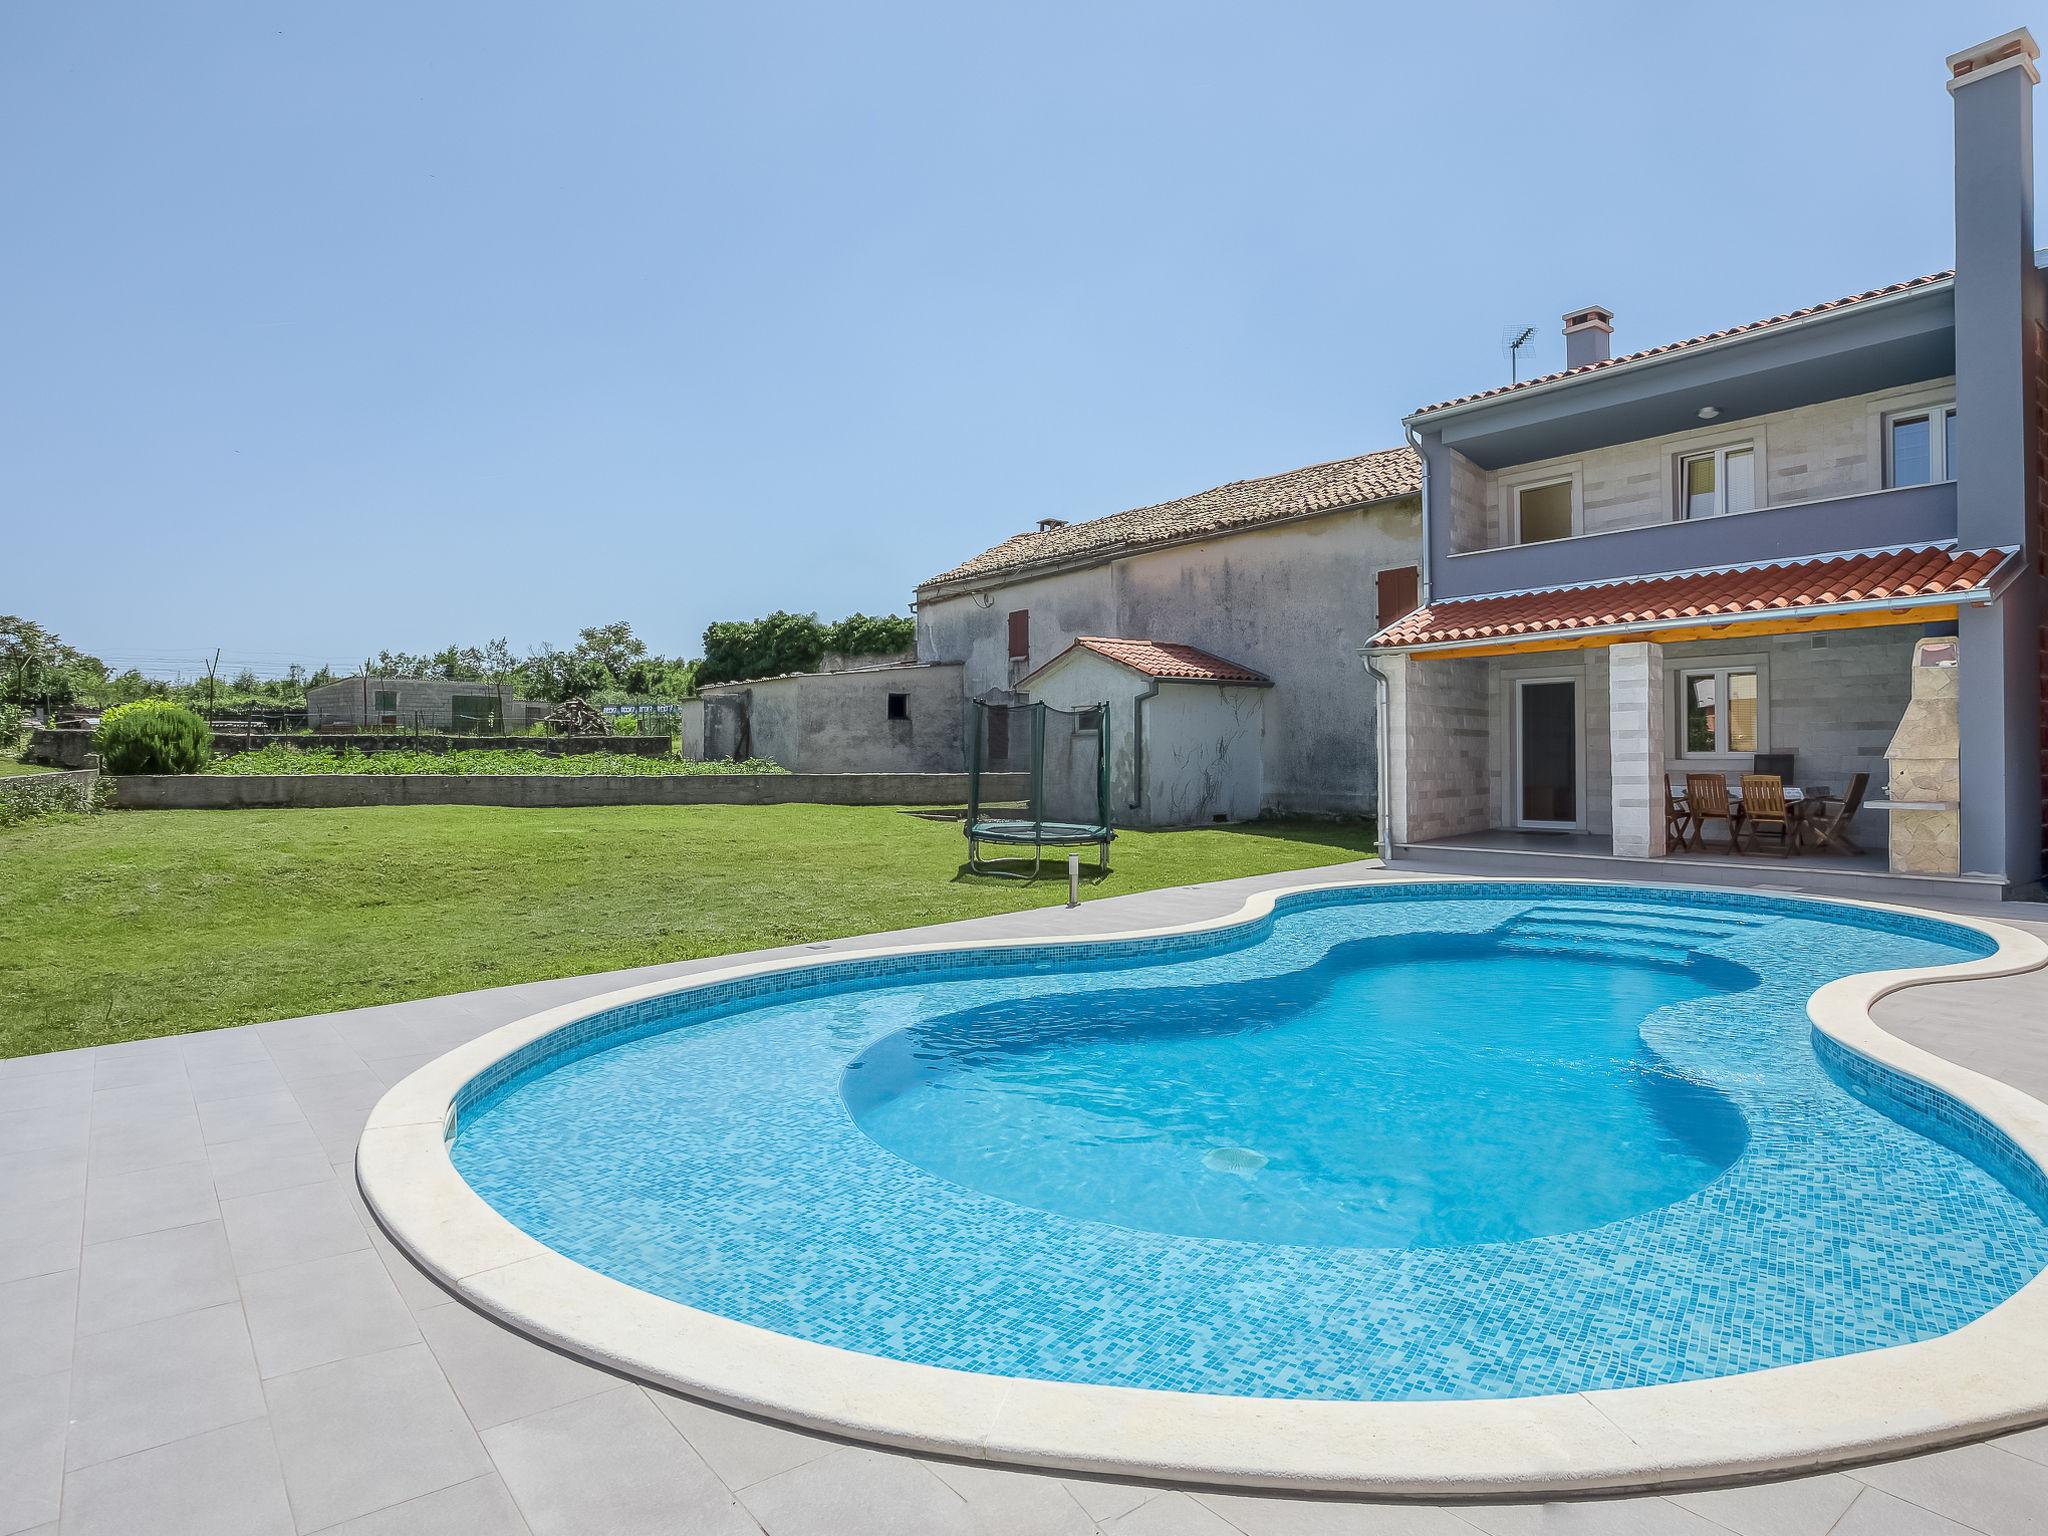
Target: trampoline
[1064,754]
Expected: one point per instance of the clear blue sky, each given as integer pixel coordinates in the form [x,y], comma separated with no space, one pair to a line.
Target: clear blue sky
[325,328]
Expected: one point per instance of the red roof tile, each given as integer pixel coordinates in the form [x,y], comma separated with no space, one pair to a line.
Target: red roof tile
[1695,341]
[1744,592]
[1167,660]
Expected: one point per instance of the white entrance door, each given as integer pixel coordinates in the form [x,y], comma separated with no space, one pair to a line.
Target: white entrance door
[1546,739]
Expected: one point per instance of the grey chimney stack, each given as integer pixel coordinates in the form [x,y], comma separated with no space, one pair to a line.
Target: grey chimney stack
[1585,335]
[1993,90]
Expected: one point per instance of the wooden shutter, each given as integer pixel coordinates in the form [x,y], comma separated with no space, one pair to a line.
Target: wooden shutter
[1400,591]
[1020,635]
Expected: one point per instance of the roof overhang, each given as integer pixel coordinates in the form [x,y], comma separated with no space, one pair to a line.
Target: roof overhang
[1782,618]
[1880,343]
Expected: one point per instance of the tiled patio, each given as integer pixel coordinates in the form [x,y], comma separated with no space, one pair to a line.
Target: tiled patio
[202,1331]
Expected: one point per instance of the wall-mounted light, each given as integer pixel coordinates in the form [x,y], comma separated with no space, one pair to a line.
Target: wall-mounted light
[1709,412]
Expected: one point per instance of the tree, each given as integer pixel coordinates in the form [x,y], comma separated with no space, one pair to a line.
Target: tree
[612,646]
[38,668]
[795,642]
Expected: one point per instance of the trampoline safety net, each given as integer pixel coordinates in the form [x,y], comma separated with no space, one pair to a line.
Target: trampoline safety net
[1064,757]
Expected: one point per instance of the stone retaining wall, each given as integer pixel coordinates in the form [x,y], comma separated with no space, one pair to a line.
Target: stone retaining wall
[70,791]
[199,792]
[68,748]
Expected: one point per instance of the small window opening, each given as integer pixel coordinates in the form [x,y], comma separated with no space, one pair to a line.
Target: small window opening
[899,706]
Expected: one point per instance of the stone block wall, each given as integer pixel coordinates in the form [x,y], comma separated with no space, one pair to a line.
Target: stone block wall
[1635,696]
[1439,764]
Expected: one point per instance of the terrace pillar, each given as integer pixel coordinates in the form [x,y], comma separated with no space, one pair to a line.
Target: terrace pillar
[1635,737]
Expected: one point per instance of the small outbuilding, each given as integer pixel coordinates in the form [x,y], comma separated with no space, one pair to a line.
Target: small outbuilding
[904,717]
[1187,729]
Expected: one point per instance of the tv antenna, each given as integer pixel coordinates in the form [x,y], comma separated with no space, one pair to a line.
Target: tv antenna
[1512,339]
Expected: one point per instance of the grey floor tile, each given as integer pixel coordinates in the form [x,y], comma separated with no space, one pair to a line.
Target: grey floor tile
[355,1089]
[2030,1443]
[480,1507]
[742,1451]
[167,1098]
[156,1274]
[137,1061]
[1170,1514]
[361,1435]
[283,1158]
[290,1226]
[414,1285]
[160,1381]
[304,1060]
[48,1062]
[35,1178]
[1005,1501]
[1257,1516]
[1105,1499]
[43,1128]
[125,1147]
[392,1070]
[858,1490]
[222,1483]
[222,1047]
[248,1113]
[327,1309]
[47,1090]
[1803,1506]
[33,1419]
[149,1200]
[1979,1485]
[1590,1517]
[339,1128]
[235,1079]
[500,1375]
[41,1237]
[38,1316]
[611,1463]
[1877,1513]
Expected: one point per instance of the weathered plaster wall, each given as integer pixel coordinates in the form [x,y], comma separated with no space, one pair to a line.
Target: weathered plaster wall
[426,703]
[1294,601]
[975,630]
[838,722]
[1202,746]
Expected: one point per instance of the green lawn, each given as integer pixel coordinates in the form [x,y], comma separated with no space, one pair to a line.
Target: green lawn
[123,925]
[16,765]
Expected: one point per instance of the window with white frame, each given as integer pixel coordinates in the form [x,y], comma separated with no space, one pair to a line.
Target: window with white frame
[1722,710]
[1717,481]
[1920,446]
[1541,510]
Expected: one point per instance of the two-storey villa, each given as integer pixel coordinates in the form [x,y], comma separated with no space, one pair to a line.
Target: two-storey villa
[1723,550]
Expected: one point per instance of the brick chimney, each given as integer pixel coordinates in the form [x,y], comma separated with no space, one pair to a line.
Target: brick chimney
[1585,335]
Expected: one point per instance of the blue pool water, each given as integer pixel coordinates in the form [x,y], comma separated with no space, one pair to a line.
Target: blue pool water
[1394,1142]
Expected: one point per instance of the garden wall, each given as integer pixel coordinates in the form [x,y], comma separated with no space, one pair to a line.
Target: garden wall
[67,748]
[32,793]
[203,792]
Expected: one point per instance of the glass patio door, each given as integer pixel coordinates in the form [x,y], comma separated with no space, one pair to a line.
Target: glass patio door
[1547,752]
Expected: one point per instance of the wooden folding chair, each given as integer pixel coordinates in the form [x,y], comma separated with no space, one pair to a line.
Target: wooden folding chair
[1706,799]
[1763,805]
[1674,818]
[1828,822]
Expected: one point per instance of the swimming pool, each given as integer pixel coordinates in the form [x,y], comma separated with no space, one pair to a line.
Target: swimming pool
[1385,1144]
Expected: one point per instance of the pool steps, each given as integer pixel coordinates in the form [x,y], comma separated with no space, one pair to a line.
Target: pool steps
[1558,927]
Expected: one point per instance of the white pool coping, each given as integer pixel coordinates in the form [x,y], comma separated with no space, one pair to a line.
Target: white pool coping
[1988,1376]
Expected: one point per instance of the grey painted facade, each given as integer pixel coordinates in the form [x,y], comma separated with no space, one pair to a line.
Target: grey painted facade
[1294,600]
[1811,397]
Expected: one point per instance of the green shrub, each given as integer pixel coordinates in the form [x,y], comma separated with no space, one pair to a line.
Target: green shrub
[152,736]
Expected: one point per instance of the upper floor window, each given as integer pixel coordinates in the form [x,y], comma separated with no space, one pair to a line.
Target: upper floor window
[1920,446]
[1543,509]
[1717,481]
